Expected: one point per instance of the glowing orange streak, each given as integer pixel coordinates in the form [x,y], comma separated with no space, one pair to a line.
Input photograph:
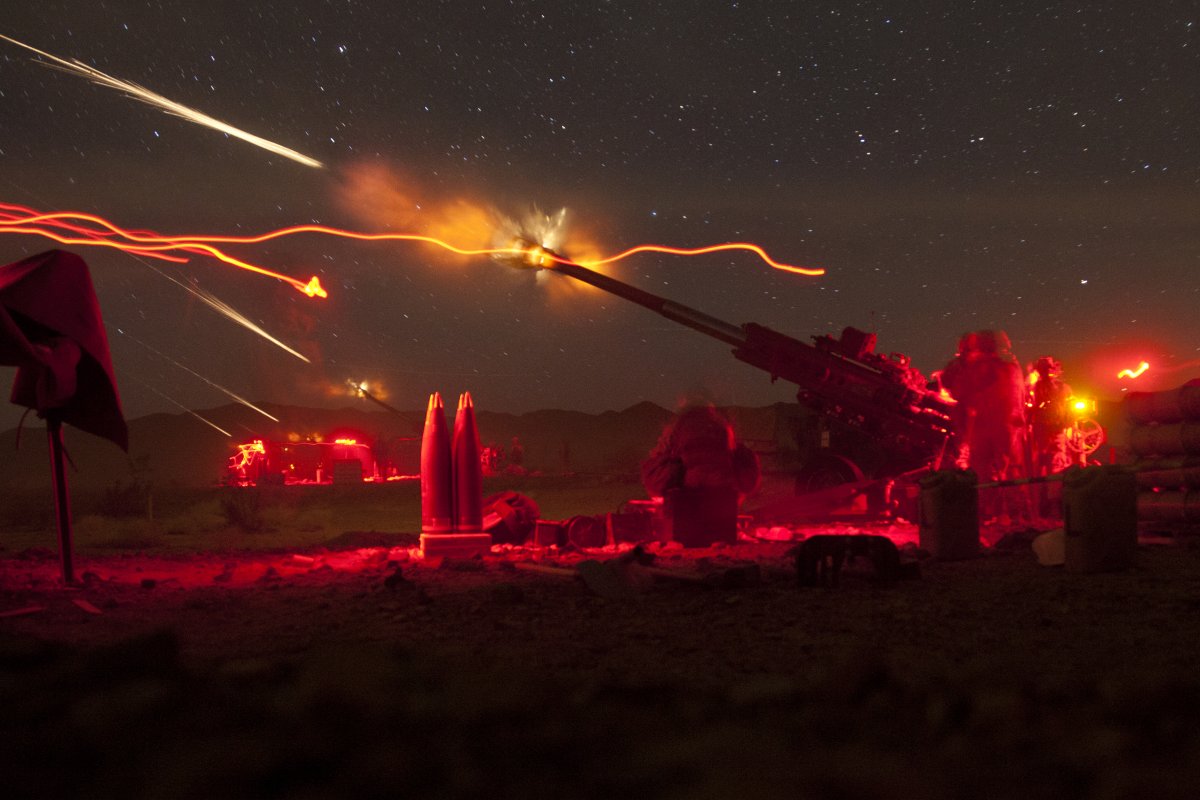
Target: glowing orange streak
[345,234]
[414,237]
[7,209]
[1133,373]
[6,217]
[152,244]
[493,251]
[312,288]
[716,248]
[158,243]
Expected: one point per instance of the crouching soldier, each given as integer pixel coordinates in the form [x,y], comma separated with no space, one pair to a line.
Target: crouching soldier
[702,473]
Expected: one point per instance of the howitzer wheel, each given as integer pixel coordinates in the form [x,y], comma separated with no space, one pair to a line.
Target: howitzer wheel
[1085,436]
[826,471]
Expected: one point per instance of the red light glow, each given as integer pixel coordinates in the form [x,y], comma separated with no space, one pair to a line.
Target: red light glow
[246,454]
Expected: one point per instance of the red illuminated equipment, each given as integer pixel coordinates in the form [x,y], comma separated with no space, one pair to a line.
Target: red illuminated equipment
[289,463]
[877,417]
[437,471]
[468,469]
[452,483]
[1164,438]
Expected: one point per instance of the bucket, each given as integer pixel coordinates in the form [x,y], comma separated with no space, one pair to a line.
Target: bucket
[949,514]
[701,517]
[1100,518]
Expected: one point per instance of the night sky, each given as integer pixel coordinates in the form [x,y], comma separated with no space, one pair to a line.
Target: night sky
[956,165]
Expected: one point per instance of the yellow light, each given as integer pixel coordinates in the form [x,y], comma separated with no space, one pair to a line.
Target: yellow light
[314,289]
[536,257]
[1081,405]
[345,441]
[1134,373]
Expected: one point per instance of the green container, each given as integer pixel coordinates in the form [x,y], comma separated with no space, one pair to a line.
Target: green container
[949,514]
[1100,518]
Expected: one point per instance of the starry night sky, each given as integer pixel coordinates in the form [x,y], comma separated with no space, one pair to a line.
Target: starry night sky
[957,165]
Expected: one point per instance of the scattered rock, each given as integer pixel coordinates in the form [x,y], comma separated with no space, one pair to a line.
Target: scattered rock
[606,579]
[270,575]
[1051,548]
[507,594]
[395,580]
[462,564]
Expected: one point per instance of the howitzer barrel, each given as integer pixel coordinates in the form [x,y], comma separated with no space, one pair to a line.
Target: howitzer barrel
[676,312]
[840,378]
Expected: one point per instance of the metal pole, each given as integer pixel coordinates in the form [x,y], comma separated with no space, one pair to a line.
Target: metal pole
[62,502]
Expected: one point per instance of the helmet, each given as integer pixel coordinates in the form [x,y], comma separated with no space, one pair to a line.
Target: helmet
[1048,367]
[968,343]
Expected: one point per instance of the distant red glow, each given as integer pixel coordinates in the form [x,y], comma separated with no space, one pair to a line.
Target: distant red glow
[296,462]
[87,230]
[1134,373]
[246,454]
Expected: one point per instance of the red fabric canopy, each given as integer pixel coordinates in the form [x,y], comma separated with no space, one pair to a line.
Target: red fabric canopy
[51,330]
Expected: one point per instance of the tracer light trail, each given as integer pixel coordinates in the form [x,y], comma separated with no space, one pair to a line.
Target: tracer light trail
[174,402]
[141,93]
[221,307]
[93,231]
[216,386]
[146,243]
[1134,373]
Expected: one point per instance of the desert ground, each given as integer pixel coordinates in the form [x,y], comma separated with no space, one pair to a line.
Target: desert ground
[318,656]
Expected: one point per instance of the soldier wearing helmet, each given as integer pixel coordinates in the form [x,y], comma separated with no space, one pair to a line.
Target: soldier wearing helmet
[1048,415]
[985,380]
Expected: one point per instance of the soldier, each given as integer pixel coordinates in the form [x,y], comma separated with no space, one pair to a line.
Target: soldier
[951,379]
[985,380]
[516,454]
[516,458]
[1049,414]
[699,450]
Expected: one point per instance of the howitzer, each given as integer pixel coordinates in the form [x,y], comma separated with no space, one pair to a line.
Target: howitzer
[897,423]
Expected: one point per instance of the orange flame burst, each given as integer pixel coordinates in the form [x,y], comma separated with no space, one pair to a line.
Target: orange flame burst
[1134,373]
[82,229]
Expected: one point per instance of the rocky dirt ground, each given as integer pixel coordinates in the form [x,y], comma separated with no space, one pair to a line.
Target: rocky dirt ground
[357,671]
